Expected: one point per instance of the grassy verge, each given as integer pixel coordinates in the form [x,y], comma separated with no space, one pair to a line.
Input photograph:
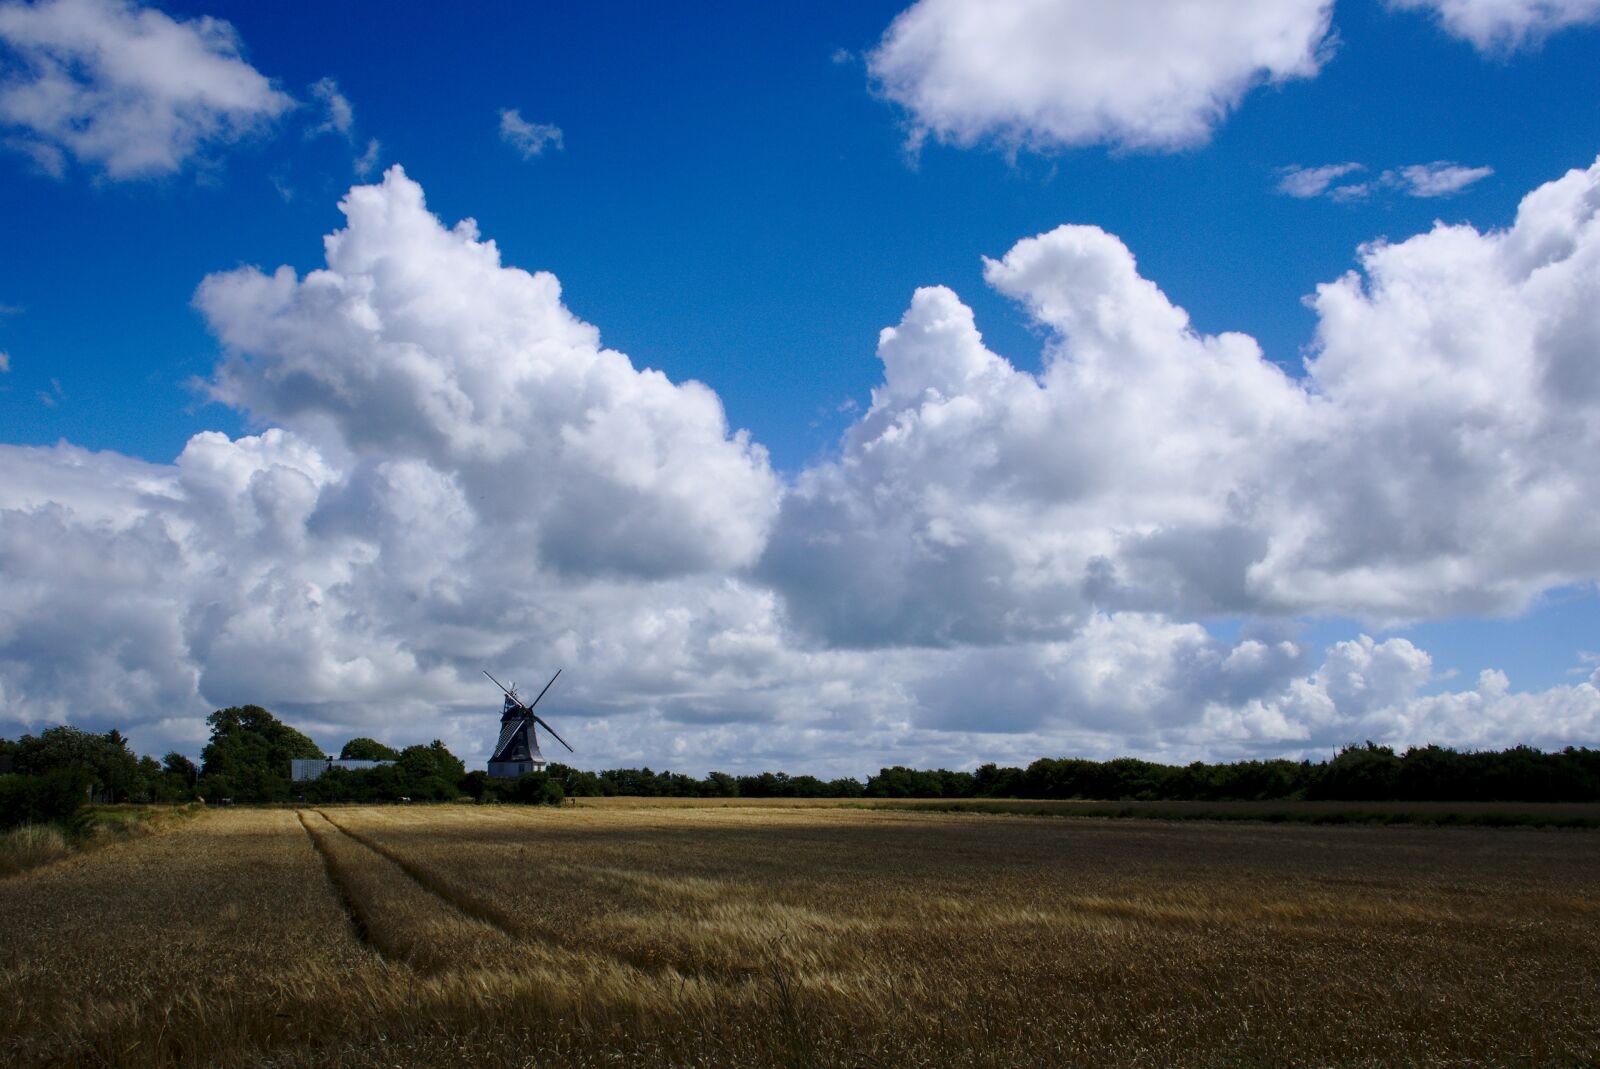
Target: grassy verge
[31,845]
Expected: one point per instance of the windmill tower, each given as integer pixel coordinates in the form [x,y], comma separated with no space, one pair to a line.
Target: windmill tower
[517,750]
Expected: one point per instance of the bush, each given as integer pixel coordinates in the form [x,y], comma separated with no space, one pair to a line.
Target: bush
[29,846]
[534,788]
[53,796]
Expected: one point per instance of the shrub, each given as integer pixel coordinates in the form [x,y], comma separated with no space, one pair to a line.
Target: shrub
[29,846]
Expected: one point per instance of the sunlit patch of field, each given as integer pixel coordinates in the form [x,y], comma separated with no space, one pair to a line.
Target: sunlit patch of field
[801,935]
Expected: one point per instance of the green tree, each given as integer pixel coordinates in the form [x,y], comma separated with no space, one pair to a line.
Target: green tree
[174,779]
[112,769]
[534,788]
[720,785]
[53,795]
[429,771]
[1359,774]
[365,749]
[249,753]
[575,782]
[180,768]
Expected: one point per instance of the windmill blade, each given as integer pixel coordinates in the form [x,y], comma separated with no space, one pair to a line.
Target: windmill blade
[502,686]
[537,719]
[547,686]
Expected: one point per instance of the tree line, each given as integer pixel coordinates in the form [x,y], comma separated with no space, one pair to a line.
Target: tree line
[48,777]
[1366,773]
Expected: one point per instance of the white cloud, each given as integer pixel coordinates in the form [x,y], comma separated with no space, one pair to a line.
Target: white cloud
[5,361]
[464,478]
[338,116]
[1372,690]
[1503,25]
[1150,467]
[367,162]
[416,343]
[1045,74]
[998,565]
[530,139]
[1440,178]
[1307,182]
[125,88]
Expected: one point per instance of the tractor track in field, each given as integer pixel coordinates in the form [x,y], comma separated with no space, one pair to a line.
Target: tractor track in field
[342,890]
[442,890]
[465,904]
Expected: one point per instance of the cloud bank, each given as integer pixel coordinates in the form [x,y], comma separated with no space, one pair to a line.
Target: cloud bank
[455,473]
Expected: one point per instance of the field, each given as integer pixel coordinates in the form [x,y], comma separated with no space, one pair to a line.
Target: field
[633,934]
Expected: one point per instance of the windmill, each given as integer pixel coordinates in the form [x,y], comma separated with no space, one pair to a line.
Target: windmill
[517,751]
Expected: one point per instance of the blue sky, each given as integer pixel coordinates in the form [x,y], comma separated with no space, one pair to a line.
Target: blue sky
[736,199]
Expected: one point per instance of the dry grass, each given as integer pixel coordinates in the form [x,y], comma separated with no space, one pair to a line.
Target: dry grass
[816,935]
[29,846]
[33,845]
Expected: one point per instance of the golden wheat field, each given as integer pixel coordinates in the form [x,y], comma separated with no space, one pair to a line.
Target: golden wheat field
[780,936]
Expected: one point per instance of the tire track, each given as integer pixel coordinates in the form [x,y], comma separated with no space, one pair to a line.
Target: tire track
[440,889]
[396,915]
[486,913]
[344,892]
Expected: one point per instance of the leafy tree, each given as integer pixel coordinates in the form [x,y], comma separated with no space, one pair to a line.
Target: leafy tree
[428,771]
[249,753]
[535,788]
[53,795]
[365,749]
[1359,773]
[720,785]
[902,782]
[173,780]
[111,768]
[180,768]
[479,786]
[574,782]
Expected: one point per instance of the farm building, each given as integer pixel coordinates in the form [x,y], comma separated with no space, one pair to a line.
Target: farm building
[310,768]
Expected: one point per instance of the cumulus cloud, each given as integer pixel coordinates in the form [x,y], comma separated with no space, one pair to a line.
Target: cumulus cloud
[453,473]
[415,343]
[124,88]
[1504,25]
[1047,74]
[1150,467]
[1366,689]
[462,476]
[530,139]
